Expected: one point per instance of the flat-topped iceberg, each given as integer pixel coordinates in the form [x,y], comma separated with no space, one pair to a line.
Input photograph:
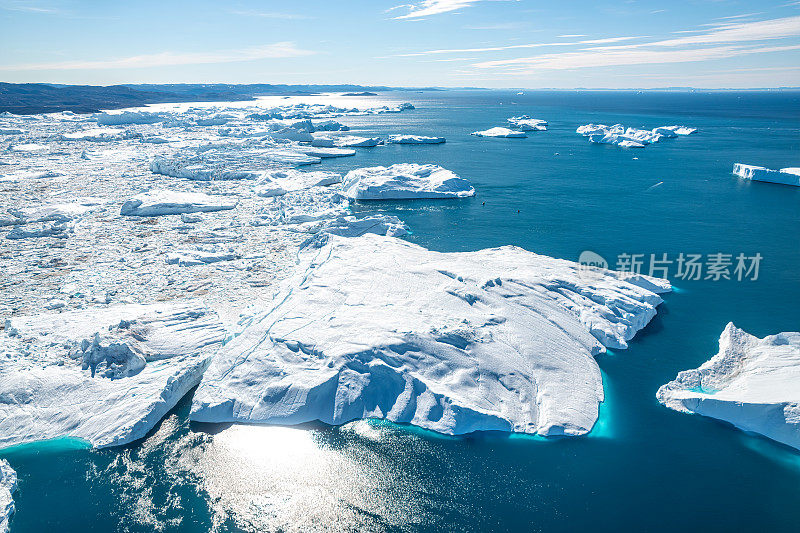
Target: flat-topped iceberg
[752,383]
[158,202]
[104,375]
[784,176]
[100,135]
[115,118]
[404,181]
[414,139]
[8,484]
[499,132]
[353,141]
[376,327]
[200,256]
[526,123]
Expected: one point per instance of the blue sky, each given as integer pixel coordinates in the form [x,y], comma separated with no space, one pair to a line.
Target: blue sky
[485,43]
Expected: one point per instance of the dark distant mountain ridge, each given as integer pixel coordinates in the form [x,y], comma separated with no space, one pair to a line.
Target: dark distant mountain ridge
[30,98]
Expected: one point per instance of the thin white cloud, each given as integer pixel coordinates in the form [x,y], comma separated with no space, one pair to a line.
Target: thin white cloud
[426,8]
[268,14]
[726,41]
[269,51]
[516,46]
[608,58]
[27,7]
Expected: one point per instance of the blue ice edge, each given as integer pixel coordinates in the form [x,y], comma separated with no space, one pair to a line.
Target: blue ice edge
[48,446]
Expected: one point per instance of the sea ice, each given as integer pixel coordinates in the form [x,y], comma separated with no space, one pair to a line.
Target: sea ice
[117,118]
[499,132]
[751,383]
[104,375]
[376,327]
[8,484]
[414,139]
[159,202]
[784,176]
[404,181]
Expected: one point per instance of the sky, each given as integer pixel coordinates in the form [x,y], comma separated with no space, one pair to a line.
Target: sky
[449,43]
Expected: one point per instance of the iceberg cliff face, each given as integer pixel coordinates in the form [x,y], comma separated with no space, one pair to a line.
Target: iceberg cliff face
[784,176]
[752,383]
[499,339]
[105,375]
[8,484]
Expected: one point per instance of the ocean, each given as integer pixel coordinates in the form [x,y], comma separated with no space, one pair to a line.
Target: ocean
[643,467]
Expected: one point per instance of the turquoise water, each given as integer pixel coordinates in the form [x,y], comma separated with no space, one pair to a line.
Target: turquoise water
[643,466]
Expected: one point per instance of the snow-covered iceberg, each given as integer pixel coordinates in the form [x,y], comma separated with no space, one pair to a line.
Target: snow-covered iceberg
[752,383]
[630,137]
[404,181]
[159,202]
[500,132]
[104,375]
[526,123]
[354,141]
[784,176]
[8,484]
[414,139]
[499,339]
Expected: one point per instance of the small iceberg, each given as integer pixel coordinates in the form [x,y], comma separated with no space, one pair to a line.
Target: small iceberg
[526,123]
[500,132]
[200,256]
[353,141]
[751,383]
[784,176]
[624,137]
[404,181]
[158,202]
[414,139]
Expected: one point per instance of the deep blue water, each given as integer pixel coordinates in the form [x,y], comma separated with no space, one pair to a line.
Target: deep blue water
[644,467]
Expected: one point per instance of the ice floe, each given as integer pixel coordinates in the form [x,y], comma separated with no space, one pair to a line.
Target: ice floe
[499,339]
[751,383]
[354,141]
[414,139]
[784,176]
[526,123]
[104,375]
[8,485]
[159,202]
[500,132]
[404,181]
[200,256]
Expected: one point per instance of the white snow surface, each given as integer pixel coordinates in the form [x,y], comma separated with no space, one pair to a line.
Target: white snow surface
[103,375]
[8,484]
[751,383]
[500,132]
[404,181]
[376,327]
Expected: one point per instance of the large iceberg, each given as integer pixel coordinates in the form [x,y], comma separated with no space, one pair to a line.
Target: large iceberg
[159,202]
[404,181]
[376,327]
[499,132]
[8,484]
[784,176]
[104,375]
[630,137]
[752,383]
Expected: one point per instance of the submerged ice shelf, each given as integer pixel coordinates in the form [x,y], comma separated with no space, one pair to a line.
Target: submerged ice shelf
[499,339]
[751,383]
